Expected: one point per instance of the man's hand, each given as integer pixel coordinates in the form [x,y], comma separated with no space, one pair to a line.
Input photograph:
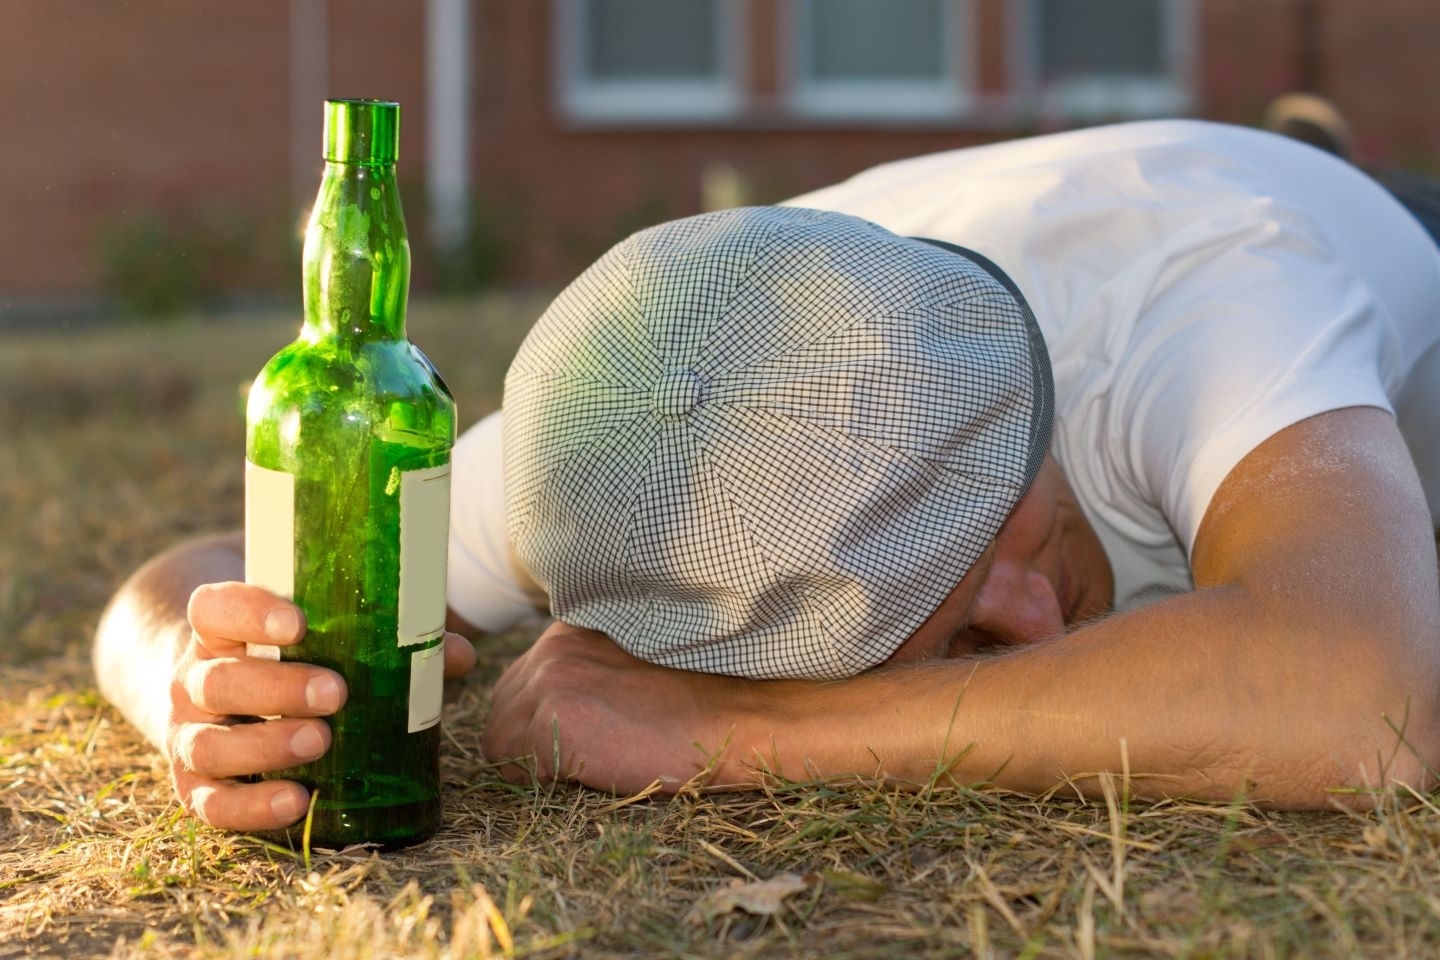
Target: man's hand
[577,707]
[217,687]
[218,690]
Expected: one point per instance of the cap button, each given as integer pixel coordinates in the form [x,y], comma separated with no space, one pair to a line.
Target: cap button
[677,392]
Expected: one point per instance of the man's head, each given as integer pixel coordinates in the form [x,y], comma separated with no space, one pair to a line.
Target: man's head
[770,441]
[1045,571]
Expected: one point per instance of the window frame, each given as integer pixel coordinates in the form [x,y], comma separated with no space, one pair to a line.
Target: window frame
[950,96]
[1111,97]
[584,99]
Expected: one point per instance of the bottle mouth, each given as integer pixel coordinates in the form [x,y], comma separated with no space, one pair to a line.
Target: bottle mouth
[362,131]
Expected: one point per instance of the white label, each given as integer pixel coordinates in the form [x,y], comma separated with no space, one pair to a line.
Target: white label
[427,687]
[269,538]
[424,535]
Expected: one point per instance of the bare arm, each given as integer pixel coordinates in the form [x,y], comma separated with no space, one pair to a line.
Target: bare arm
[1314,627]
[170,654]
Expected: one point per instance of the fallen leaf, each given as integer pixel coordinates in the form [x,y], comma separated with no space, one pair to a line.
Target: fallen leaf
[761,897]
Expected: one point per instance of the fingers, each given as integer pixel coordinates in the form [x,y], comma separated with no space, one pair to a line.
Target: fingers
[226,616]
[217,751]
[541,694]
[561,648]
[511,714]
[578,707]
[227,805]
[215,680]
[242,686]
[204,756]
[531,754]
[459,656]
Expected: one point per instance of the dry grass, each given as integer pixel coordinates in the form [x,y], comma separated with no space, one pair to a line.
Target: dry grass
[120,442]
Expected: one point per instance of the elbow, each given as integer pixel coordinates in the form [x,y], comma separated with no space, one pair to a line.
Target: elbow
[1388,743]
[114,637]
[115,654]
[100,651]
[136,645]
[1411,730]
[1348,738]
[1409,702]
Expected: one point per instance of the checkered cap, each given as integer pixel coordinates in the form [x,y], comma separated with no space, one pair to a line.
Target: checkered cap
[768,442]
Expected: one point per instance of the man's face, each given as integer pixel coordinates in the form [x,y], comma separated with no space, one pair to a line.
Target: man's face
[1045,571]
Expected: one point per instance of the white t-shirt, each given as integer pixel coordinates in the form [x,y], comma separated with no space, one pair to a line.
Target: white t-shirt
[1200,287]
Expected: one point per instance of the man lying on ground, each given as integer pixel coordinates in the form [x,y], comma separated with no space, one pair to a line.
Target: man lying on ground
[1113,450]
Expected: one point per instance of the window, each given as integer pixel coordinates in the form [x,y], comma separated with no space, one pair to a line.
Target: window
[863,59]
[1101,58]
[651,60]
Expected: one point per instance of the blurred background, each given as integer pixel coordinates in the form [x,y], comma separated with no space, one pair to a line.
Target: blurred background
[159,155]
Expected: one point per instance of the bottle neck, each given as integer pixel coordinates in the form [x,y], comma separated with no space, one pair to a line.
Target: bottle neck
[357,257]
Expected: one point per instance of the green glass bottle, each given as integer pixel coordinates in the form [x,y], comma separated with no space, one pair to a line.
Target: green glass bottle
[347,496]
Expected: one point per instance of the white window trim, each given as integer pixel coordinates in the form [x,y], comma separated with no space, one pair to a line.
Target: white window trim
[583,98]
[882,100]
[1113,97]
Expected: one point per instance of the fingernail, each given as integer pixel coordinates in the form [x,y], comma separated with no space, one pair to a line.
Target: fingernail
[282,624]
[286,806]
[307,743]
[322,694]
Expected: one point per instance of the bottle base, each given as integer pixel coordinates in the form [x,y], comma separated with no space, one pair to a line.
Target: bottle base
[386,828]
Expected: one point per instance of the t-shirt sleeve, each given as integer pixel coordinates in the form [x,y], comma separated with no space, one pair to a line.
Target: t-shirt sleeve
[486,583]
[1252,326]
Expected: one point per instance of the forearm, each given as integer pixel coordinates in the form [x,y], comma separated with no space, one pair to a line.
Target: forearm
[144,629]
[1310,648]
[1214,694]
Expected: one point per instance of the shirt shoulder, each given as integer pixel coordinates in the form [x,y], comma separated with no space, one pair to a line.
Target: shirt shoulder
[486,583]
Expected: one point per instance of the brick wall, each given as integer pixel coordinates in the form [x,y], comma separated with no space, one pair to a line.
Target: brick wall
[174,116]
[108,116]
[1382,65]
[171,116]
[1377,59]
[563,193]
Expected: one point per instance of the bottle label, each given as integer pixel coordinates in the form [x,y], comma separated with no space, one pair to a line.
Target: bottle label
[269,538]
[427,687]
[424,497]
[424,542]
